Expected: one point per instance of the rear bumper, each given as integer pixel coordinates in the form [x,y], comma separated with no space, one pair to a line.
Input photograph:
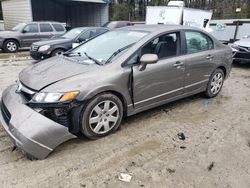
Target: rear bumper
[30,131]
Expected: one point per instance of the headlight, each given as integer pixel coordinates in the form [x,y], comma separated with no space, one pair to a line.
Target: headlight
[54,97]
[235,46]
[43,48]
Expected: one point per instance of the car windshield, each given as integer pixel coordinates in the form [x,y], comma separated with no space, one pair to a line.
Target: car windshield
[73,33]
[108,45]
[18,27]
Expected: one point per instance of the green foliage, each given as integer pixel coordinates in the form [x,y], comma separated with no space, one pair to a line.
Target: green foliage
[120,11]
[222,9]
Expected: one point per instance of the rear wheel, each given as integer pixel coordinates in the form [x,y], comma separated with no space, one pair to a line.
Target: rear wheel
[102,116]
[215,83]
[10,46]
[57,52]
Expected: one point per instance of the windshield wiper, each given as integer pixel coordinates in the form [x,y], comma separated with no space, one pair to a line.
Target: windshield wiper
[118,51]
[93,59]
[68,54]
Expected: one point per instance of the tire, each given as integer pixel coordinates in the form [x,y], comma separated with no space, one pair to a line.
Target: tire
[104,121]
[57,52]
[11,46]
[215,83]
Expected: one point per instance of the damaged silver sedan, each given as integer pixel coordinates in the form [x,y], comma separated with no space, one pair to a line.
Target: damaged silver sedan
[88,90]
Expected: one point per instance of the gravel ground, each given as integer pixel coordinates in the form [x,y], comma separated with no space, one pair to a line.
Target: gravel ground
[214,153]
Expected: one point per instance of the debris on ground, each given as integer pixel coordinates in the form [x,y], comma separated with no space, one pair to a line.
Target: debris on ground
[210,167]
[183,147]
[248,143]
[171,171]
[205,103]
[13,148]
[125,177]
[82,185]
[181,136]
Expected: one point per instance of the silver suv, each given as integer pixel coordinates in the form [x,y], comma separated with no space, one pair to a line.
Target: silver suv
[23,35]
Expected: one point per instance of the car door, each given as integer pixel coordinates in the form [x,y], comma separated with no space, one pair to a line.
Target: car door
[46,31]
[199,60]
[163,80]
[29,34]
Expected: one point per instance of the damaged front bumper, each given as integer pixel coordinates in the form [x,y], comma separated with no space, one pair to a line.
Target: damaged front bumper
[30,131]
[241,54]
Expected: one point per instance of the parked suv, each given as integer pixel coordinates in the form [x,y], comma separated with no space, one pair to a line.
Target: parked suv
[23,35]
[57,45]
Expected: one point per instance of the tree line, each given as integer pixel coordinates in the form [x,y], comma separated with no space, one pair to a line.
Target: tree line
[135,10]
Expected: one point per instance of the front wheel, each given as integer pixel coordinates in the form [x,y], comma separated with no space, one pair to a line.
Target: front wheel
[215,83]
[102,116]
[10,46]
[57,52]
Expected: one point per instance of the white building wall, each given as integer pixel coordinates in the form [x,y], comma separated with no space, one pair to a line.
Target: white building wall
[16,11]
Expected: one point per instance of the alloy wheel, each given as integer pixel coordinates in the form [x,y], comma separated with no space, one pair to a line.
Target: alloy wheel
[103,117]
[216,83]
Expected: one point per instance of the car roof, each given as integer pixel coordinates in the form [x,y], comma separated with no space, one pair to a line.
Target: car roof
[87,28]
[52,22]
[156,28]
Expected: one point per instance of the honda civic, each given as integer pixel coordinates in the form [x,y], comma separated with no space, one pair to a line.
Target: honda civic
[90,89]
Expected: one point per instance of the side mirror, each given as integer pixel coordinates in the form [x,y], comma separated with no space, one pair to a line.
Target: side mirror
[147,59]
[24,31]
[81,40]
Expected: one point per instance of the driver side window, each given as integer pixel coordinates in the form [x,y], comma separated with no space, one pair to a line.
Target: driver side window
[31,28]
[84,36]
[164,46]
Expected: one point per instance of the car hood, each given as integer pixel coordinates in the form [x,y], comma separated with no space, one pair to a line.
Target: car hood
[8,33]
[243,42]
[53,41]
[55,69]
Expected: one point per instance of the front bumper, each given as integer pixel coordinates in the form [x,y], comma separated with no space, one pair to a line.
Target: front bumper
[30,131]
[39,55]
[241,55]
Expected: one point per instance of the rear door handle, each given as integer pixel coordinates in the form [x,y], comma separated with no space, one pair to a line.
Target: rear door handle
[209,57]
[178,64]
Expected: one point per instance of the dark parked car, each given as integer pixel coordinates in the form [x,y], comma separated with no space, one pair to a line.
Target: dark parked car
[48,48]
[89,89]
[117,24]
[23,35]
[241,50]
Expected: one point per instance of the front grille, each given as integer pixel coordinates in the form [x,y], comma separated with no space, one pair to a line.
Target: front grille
[26,92]
[27,96]
[5,112]
[34,48]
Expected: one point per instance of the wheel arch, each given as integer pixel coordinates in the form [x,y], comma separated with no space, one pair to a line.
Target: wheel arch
[114,92]
[18,42]
[75,127]
[223,68]
[58,48]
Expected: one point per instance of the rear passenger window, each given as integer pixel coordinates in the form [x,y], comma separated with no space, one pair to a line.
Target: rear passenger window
[197,42]
[45,27]
[58,27]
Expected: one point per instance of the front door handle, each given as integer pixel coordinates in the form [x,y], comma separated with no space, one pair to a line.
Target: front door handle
[178,64]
